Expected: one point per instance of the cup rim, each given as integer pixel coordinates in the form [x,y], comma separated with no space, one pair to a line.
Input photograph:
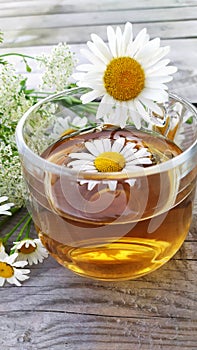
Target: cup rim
[140,171]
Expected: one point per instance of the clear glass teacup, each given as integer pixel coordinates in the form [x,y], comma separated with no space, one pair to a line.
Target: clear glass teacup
[109,225]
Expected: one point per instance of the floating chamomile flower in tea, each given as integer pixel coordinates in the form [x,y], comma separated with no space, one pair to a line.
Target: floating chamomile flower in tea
[105,155]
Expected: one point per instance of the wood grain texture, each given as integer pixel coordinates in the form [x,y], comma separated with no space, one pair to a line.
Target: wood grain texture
[81,34]
[56,309]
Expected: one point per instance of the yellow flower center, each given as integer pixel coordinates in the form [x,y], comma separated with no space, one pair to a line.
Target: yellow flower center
[109,162]
[124,78]
[25,250]
[6,270]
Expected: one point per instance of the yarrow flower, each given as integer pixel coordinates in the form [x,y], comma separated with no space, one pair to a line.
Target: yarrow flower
[10,270]
[107,155]
[30,250]
[128,74]
[4,209]
[58,67]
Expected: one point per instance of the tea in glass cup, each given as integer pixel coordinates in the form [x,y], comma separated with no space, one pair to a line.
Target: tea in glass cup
[109,203]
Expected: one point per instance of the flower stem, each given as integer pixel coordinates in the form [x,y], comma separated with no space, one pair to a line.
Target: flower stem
[28,228]
[20,55]
[26,225]
[9,234]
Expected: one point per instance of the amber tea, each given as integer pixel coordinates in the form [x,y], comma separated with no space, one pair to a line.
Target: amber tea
[112,234]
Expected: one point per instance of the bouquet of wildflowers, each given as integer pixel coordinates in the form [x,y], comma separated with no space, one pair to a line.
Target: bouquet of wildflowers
[21,249]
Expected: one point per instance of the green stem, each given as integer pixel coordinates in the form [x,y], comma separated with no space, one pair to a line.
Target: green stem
[9,234]
[20,55]
[28,229]
[23,228]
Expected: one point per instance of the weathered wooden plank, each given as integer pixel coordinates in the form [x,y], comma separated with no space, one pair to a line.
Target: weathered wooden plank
[168,292]
[59,331]
[93,5]
[75,35]
[97,18]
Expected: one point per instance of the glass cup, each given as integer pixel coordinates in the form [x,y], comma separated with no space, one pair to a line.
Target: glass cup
[91,229]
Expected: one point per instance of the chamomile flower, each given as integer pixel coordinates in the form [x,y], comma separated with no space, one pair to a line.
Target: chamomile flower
[63,125]
[4,209]
[129,75]
[105,155]
[30,250]
[10,270]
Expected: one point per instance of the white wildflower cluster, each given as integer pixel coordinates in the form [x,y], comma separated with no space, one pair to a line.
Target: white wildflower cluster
[11,183]
[13,104]
[58,67]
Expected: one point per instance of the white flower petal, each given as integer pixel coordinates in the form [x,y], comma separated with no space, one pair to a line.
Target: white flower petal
[92,148]
[3,199]
[147,49]
[2,281]
[99,145]
[90,96]
[140,108]
[119,41]
[112,41]
[91,185]
[85,67]
[13,280]
[106,145]
[154,94]
[10,259]
[158,55]
[161,72]
[19,264]
[131,182]
[101,46]
[20,274]
[78,76]
[82,155]
[118,144]
[92,58]
[140,40]
[128,150]
[134,116]
[104,107]
[79,122]
[127,38]
[151,105]
[80,163]
[162,79]
[112,185]
[95,50]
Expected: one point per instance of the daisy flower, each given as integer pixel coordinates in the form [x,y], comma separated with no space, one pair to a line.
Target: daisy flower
[129,74]
[9,269]
[105,155]
[30,250]
[4,209]
[63,125]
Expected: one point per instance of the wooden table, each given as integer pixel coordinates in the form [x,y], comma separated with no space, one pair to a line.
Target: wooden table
[56,309]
